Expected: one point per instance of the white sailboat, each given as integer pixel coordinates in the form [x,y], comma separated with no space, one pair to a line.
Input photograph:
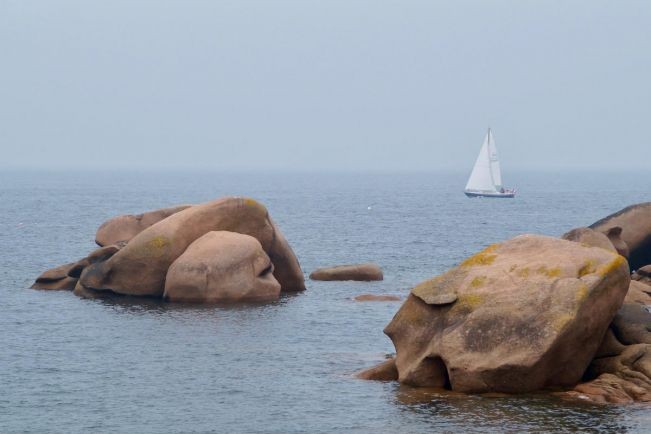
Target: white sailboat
[486,177]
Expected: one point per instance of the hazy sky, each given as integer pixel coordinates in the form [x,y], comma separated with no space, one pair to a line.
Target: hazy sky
[324,84]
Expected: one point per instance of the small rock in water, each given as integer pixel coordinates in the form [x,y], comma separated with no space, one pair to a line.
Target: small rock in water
[360,272]
[372,297]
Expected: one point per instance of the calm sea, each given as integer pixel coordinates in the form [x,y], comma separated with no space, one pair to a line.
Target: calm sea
[70,365]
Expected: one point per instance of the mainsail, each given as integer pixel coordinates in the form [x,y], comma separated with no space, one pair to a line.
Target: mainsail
[486,175]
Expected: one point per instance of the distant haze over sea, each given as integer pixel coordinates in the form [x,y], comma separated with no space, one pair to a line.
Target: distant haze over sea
[306,85]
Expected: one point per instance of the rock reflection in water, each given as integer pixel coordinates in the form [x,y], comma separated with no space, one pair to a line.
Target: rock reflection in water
[509,413]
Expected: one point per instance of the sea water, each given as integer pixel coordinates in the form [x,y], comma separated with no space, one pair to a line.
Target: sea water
[71,365]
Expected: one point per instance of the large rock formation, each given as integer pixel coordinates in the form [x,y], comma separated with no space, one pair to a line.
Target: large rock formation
[141,266]
[360,272]
[222,266]
[124,227]
[635,224]
[521,315]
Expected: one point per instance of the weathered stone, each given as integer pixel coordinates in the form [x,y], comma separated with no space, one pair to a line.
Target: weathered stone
[373,297]
[385,371]
[141,266]
[97,255]
[638,292]
[632,324]
[635,224]
[643,274]
[614,235]
[222,267]
[65,276]
[56,279]
[360,272]
[436,291]
[65,284]
[624,378]
[590,237]
[530,313]
[124,227]
[609,346]
[83,292]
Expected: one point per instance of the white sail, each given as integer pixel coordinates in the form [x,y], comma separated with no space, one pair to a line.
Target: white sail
[486,174]
[494,162]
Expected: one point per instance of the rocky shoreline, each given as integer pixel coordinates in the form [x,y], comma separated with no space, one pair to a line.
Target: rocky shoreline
[533,313]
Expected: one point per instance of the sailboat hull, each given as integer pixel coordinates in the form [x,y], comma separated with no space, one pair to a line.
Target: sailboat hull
[497,194]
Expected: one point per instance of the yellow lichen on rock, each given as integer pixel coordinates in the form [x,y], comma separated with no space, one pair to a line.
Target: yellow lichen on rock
[561,321]
[440,289]
[480,258]
[477,281]
[587,268]
[523,272]
[468,301]
[485,257]
[582,292]
[158,242]
[153,248]
[255,204]
[608,268]
[549,272]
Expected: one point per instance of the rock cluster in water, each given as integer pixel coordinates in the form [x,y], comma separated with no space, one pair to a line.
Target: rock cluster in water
[535,313]
[226,250]
[530,313]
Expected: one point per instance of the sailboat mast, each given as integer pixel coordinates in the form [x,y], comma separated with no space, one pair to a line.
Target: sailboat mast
[488,150]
